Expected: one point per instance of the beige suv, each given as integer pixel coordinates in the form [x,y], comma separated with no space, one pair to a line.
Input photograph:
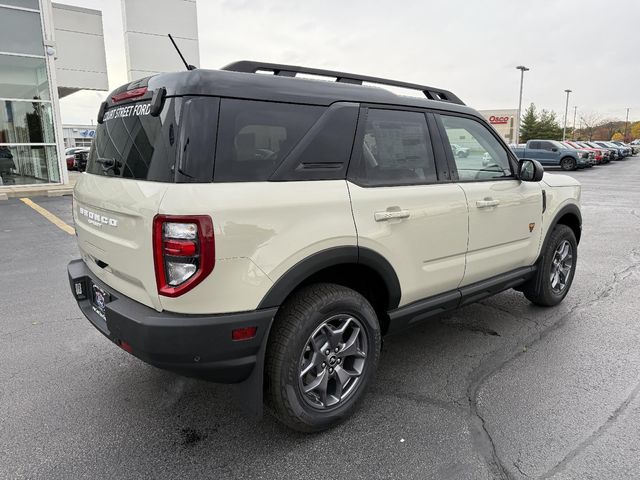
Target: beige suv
[269,230]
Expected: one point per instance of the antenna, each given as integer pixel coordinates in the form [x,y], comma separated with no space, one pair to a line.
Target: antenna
[189,67]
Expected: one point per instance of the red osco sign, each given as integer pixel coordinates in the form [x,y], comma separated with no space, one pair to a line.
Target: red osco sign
[498,120]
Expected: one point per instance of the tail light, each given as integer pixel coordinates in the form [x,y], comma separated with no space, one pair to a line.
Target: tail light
[183,251]
[136,92]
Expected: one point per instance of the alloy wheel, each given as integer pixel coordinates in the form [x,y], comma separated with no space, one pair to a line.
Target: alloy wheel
[333,361]
[561,266]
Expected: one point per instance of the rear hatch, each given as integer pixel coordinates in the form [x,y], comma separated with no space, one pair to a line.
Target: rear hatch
[128,170]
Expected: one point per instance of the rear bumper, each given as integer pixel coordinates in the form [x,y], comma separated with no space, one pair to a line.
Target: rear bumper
[194,345]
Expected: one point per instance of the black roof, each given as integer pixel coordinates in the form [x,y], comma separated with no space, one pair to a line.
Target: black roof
[257,86]
[286,88]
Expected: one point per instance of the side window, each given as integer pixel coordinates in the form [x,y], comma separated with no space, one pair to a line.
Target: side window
[254,137]
[485,157]
[534,145]
[547,146]
[396,150]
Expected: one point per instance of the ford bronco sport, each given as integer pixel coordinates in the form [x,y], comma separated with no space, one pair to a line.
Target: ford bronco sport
[268,230]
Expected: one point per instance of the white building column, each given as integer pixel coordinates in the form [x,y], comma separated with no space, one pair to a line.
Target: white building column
[146,25]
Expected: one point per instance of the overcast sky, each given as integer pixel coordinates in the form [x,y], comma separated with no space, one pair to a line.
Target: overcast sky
[468,46]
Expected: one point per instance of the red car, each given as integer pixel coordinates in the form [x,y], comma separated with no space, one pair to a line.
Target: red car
[598,153]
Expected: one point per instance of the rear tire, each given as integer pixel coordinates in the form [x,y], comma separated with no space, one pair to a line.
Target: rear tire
[556,269]
[323,351]
[568,163]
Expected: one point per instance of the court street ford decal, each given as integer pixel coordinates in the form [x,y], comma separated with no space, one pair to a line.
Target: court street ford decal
[128,111]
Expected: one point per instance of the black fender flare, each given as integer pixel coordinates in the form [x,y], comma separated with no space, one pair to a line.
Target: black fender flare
[571,209]
[330,257]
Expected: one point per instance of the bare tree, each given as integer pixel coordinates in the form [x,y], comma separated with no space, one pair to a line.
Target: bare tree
[589,122]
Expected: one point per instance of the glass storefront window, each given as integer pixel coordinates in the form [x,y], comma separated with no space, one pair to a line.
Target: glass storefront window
[26,122]
[33,4]
[28,152]
[20,32]
[23,77]
[24,164]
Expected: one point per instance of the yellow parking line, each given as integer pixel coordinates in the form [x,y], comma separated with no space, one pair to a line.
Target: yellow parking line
[50,216]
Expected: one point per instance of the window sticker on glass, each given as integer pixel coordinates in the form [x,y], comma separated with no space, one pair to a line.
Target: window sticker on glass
[128,111]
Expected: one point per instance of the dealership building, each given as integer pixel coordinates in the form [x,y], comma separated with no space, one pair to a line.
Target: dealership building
[505,122]
[49,50]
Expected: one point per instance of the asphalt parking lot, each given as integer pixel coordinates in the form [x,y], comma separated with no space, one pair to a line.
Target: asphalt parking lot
[500,389]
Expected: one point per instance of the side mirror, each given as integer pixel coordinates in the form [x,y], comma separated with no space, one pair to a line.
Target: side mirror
[530,170]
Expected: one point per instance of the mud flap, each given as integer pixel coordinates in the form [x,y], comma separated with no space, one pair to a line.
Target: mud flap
[250,392]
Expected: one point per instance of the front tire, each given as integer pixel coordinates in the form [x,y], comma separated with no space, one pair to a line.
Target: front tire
[568,163]
[323,351]
[556,269]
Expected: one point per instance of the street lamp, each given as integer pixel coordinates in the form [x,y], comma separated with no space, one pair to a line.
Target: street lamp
[566,112]
[626,127]
[522,69]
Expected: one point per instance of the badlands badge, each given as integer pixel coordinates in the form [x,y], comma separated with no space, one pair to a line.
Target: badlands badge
[531,227]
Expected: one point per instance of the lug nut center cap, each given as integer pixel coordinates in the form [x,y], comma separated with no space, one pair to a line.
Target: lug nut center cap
[333,360]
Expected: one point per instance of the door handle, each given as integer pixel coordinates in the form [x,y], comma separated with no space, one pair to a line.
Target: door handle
[487,202]
[390,214]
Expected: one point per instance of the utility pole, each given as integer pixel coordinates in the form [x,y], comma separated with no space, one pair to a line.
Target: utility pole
[626,126]
[522,69]
[566,111]
[575,111]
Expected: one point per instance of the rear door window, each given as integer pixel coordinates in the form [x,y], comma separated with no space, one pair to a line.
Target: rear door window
[254,137]
[396,150]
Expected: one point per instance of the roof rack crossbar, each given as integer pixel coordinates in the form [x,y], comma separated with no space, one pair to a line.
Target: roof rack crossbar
[431,93]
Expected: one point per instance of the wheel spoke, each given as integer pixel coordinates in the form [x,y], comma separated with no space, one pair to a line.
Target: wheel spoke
[350,347]
[333,337]
[343,375]
[564,271]
[319,383]
[313,363]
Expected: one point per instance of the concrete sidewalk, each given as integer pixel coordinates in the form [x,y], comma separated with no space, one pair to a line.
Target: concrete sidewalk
[50,190]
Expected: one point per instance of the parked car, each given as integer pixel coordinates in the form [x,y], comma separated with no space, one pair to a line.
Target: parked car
[80,159]
[598,154]
[72,150]
[605,153]
[459,151]
[613,152]
[628,148]
[553,153]
[7,165]
[621,151]
[590,151]
[282,248]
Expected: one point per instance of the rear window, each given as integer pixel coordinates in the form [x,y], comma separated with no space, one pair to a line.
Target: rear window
[254,137]
[130,143]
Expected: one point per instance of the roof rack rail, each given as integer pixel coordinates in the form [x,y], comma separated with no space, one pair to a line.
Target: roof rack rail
[247,66]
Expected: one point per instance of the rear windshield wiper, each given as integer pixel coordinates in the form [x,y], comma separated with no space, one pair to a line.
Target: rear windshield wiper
[107,164]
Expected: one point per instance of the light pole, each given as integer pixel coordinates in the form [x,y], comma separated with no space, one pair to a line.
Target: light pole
[626,126]
[522,69]
[575,111]
[566,111]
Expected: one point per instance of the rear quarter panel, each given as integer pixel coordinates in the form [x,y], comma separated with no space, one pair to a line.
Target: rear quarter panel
[261,230]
